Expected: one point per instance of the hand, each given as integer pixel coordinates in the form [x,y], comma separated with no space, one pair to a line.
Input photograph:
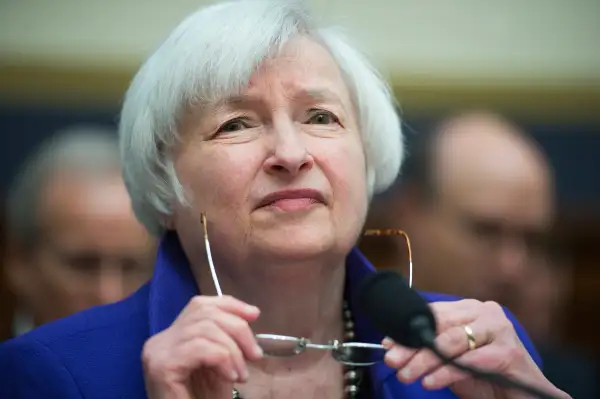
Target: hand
[499,349]
[204,352]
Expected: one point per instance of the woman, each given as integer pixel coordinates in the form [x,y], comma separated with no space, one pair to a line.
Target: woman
[255,128]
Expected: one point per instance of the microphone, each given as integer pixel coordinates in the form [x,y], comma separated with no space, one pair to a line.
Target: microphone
[402,314]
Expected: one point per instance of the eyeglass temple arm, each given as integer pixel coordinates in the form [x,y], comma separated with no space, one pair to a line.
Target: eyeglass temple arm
[369,232]
[395,232]
[209,257]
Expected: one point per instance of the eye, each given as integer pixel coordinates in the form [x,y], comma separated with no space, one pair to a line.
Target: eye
[82,262]
[321,117]
[234,125]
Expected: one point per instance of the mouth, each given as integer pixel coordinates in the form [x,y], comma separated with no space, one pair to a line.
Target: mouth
[292,200]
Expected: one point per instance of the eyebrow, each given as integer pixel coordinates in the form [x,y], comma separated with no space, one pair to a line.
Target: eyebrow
[323,95]
[239,99]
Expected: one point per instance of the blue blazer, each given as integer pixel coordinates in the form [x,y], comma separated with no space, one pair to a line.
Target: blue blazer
[96,353]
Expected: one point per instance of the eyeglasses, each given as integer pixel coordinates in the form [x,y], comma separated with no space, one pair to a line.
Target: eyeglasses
[395,232]
[355,354]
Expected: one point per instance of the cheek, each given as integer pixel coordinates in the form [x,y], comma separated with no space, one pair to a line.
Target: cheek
[202,173]
[216,178]
[344,167]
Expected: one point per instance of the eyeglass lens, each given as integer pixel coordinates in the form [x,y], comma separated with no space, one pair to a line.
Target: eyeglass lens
[348,353]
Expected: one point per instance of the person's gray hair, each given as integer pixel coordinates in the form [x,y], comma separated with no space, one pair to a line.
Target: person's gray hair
[90,150]
[212,54]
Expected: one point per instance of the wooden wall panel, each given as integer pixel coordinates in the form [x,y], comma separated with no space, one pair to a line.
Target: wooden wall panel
[581,326]
[7,302]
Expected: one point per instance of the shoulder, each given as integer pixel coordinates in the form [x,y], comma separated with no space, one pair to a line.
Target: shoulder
[87,352]
[521,333]
[95,325]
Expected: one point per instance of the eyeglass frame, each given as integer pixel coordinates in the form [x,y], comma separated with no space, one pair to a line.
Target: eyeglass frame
[301,343]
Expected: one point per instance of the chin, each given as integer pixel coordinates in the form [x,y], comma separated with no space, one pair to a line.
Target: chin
[300,235]
[297,245]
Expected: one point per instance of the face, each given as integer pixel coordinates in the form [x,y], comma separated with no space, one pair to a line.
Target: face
[542,306]
[487,235]
[279,170]
[91,250]
[487,241]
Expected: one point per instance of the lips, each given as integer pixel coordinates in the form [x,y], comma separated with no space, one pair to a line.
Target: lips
[300,198]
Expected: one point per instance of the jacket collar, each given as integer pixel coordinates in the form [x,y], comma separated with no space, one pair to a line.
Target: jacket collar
[173,285]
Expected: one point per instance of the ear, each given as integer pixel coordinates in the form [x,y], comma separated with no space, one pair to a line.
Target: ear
[408,202]
[167,221]
[17,268]
[413,209]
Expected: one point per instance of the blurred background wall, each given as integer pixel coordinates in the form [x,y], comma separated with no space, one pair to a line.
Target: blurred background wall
[69,61]
[470,40]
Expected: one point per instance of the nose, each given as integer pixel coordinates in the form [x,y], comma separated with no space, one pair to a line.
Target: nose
[512,259]
[289,155]
[111,286]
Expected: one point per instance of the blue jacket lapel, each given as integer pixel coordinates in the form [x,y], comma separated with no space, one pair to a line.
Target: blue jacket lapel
[173,284]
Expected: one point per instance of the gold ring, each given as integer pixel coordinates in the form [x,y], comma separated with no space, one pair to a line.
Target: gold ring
[470,338]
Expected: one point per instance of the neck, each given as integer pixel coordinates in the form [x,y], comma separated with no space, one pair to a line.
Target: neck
[300,299]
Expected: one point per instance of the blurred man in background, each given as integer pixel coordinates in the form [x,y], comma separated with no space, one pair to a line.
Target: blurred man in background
[477,200]
[478,204]
[73,241]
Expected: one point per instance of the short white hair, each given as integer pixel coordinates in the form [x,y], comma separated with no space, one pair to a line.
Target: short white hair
[212,54]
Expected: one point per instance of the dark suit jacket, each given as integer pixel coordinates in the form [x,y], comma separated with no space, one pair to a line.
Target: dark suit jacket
[570,371]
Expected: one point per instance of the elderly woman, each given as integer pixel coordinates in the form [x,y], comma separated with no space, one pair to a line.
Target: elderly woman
[255,132]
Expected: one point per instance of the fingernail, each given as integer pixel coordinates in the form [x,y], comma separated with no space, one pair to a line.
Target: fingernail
[406,373]
[392,356]
[258,352]
[387,343]
[429,381]
[234,376]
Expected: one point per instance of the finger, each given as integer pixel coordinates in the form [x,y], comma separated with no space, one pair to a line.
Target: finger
[396,356]
[239,329]
[387,343]
[489,358]
[233,305]
[456,313]
[203,352]
[453,343]
[229,304]
[212,332]
[456,340]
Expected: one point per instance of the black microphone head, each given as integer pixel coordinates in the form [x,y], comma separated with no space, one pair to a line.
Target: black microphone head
[396,310]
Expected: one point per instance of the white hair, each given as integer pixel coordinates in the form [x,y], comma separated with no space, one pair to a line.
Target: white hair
[212,54]
[90,150]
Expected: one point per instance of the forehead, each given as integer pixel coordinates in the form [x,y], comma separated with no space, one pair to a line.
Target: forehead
[513,200]
[71,195]
[90,212]
[302,68]
[493,173]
